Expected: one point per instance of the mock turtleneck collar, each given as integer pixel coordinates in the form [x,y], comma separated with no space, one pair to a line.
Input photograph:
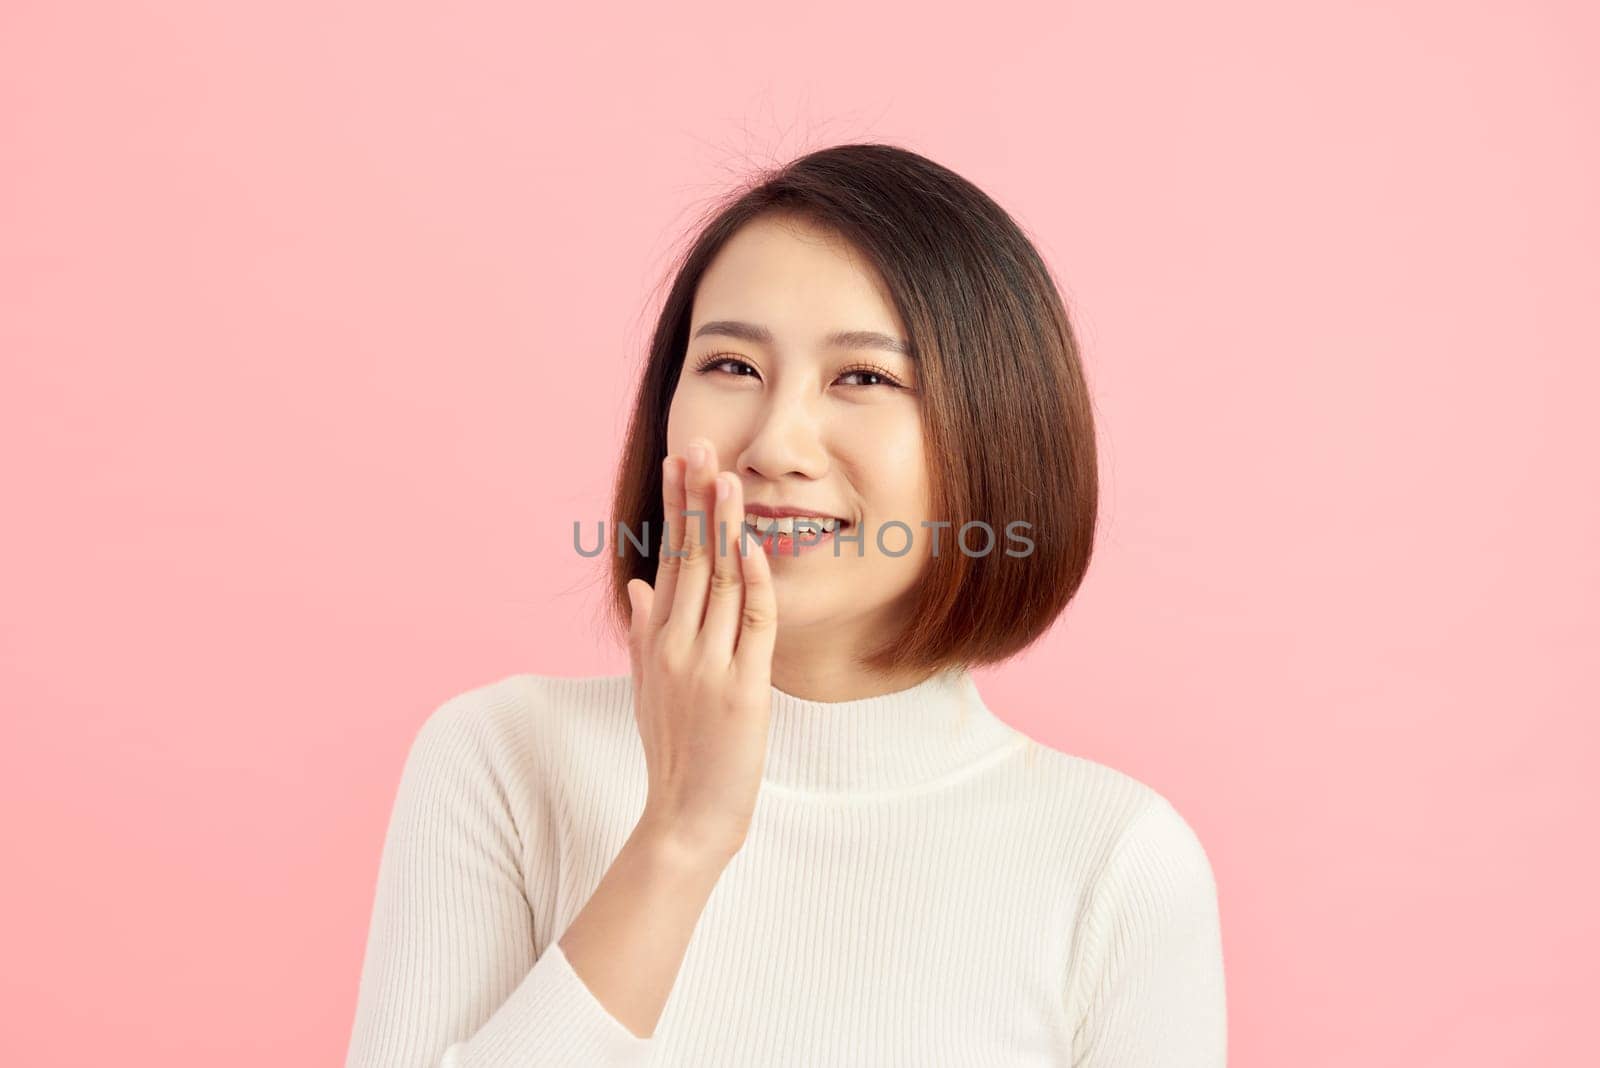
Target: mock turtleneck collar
[892,741]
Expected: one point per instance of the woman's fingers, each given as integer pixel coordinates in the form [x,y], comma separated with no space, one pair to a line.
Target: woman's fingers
[702,678]
[721,628]
[667,560]
[758,619]
[694,569]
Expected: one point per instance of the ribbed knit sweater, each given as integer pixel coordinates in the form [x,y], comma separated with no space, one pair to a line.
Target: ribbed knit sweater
[921,884]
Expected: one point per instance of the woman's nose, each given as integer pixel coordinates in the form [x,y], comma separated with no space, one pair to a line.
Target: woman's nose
[786,439]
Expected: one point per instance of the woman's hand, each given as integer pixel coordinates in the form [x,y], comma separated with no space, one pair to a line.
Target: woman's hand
[701,645]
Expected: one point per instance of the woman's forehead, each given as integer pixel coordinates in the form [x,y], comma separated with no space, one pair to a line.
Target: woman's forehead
[781,291]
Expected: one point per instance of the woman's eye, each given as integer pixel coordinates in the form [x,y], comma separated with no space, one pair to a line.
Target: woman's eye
[874,376]
[881,379]
[728,361]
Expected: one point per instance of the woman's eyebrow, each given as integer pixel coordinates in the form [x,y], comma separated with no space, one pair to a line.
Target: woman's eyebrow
[845,339]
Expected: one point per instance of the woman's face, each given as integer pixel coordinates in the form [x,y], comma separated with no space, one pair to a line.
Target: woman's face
[830,426]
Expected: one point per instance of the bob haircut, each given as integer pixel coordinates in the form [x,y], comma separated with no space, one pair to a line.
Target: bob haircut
[1006,414]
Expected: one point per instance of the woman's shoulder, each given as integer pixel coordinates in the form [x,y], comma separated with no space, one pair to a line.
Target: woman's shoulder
[520,721]
[1104,808]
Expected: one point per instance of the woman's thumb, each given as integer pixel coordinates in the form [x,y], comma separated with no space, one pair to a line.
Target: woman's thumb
[640,597]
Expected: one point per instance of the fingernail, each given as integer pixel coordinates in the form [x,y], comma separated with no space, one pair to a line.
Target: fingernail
[697,455]
[722,488]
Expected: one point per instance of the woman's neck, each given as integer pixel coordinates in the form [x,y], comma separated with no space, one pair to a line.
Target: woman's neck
[826,667]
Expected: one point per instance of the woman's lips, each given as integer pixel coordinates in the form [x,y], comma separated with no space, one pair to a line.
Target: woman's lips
[776,543]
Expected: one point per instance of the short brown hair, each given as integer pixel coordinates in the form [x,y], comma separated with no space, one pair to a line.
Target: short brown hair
[1006,412]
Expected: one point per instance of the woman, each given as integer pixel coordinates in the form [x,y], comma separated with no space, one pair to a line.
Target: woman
[794,834]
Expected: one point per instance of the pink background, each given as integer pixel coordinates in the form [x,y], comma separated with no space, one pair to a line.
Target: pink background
[319,326]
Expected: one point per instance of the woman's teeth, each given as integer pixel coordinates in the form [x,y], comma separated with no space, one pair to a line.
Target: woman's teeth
[787,525]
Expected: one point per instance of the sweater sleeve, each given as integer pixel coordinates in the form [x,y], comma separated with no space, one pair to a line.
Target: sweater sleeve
[451,977]
[1149,969]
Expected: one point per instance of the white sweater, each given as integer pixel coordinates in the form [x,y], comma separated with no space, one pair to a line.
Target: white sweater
[922,884]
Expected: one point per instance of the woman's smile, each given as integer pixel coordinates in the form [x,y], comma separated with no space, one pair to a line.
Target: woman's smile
[779,538]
